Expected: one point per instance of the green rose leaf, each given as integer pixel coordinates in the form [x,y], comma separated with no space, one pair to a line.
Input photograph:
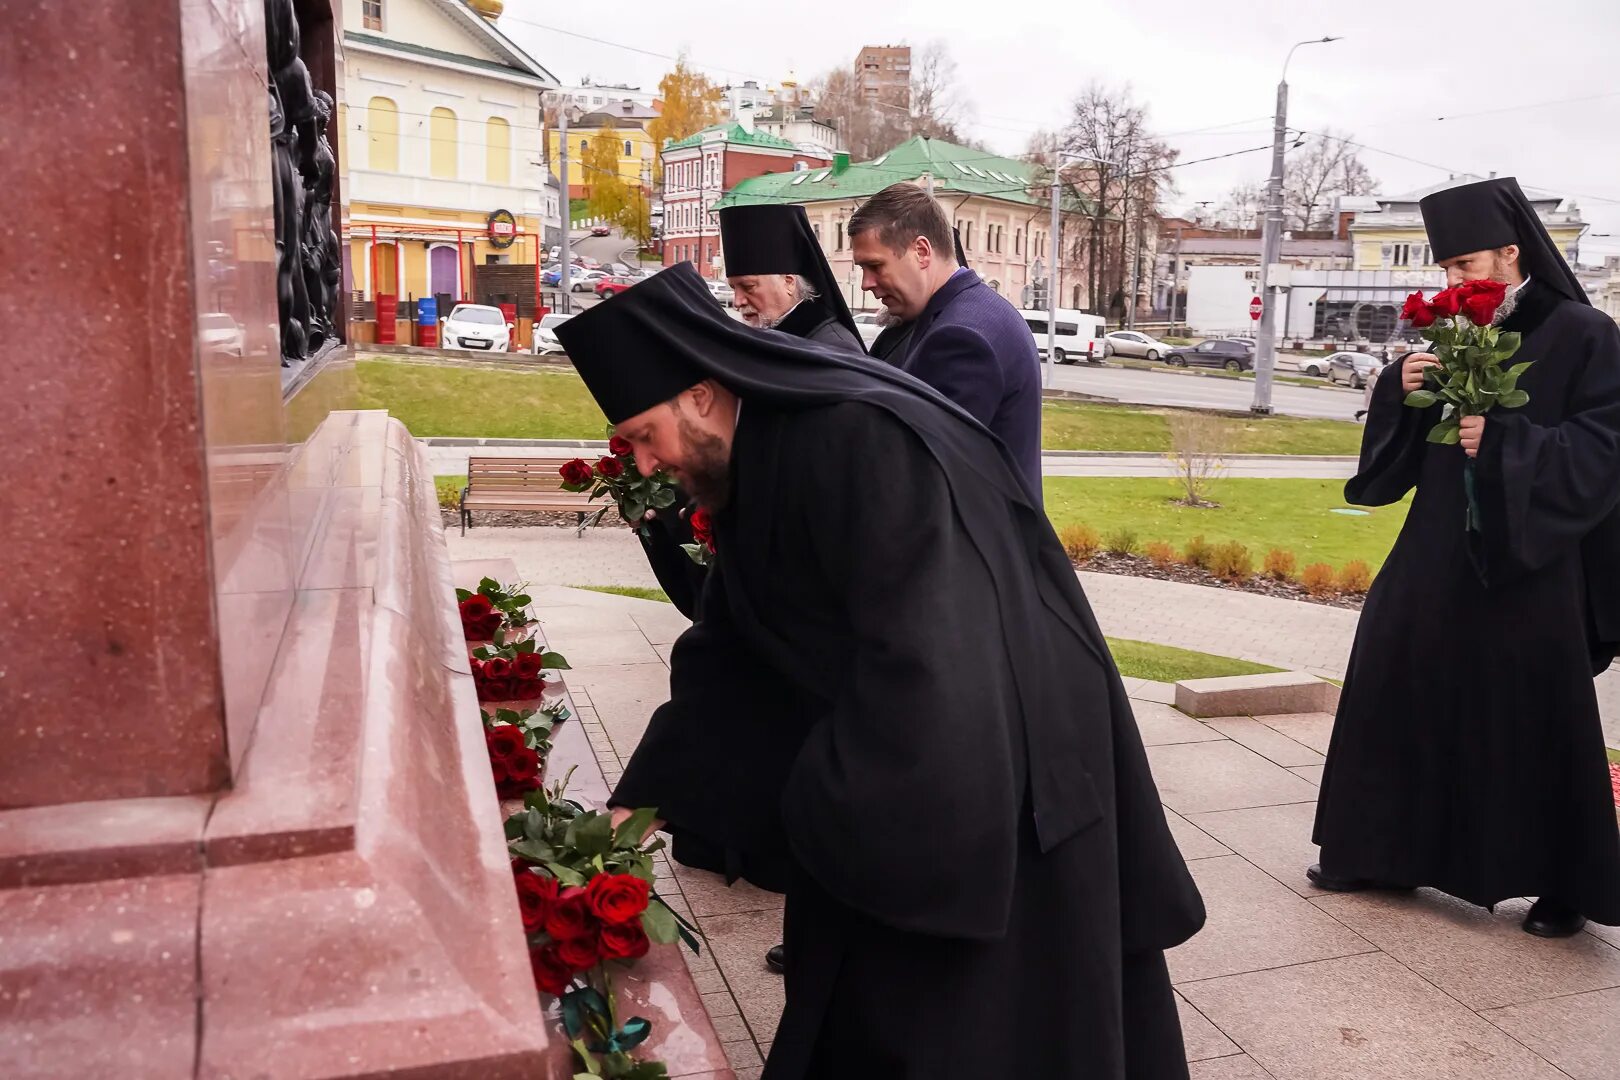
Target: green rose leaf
[634,827]
[552,661]
[567,875]
[592,835]
[659,922]
[1421,399]
[463,594]
[1444,433]
[1513,399]
[663,498]
[1507,344]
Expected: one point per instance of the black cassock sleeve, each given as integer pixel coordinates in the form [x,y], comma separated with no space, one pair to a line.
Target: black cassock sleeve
[679,577]
[904,802]
[1392,444]
[715,755]
[1548,490]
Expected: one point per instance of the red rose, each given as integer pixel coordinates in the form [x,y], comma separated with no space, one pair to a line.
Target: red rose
[1418,311]
[1481,299]
[525,689]
[617,898]
[610,467]
[535,895]
[702,528]
[504,741]
[551,975]
[528,665]
[476,606]
[579,953]
[625,942]
[1446,302]
[487,626]
[569,918]
[577,473]
[619,447]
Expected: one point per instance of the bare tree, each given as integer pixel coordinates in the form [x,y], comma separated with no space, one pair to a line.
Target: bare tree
[1120,172]
[1327,167]
[866,127]
[1242,207]
[937,108]
[1199,443]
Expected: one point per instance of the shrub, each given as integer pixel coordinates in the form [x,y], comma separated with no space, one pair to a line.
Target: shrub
[1160,554]
[1197,553]
[1121,542]
[1279,564]
[448,489]
[1355,578]
[1080,542]
[1231,562]
[1199,444]
[1319,580]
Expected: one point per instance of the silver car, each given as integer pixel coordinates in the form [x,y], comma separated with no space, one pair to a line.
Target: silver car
[1352,368]
[721,292]
[1134,343]
[869,326]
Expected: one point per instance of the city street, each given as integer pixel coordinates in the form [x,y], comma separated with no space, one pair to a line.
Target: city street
[1165,388]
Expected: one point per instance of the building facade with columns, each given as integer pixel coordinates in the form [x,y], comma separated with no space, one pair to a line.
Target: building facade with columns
[996,204]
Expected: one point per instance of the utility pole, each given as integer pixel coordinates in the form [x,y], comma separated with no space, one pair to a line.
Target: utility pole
[1265,346]
[566,296]
[1125,240]
[1052,273]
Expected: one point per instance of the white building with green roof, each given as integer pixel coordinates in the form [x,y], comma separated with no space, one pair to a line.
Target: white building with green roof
[998,204]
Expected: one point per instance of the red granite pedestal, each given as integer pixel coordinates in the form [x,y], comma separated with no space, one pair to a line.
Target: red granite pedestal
[247,827]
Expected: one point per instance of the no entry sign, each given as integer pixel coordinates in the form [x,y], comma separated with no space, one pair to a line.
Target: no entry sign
[1255,306]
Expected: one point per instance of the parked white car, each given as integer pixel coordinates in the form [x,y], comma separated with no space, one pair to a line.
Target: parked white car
[545,337]
[585,280]
[869,325]
[1135,343]
[1079,334]
[217,332]
[476,326]
[720,291]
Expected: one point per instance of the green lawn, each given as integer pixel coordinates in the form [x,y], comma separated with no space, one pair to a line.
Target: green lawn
[1261,514]
[1161,663]
[553,404]
[635,592]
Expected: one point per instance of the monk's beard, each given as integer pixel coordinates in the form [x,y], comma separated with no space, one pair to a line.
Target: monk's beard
[707,469]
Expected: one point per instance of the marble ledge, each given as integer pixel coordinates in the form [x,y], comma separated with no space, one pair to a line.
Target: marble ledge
[68,843]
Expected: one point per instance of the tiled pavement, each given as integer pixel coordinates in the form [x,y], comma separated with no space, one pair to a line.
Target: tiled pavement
[1285,983]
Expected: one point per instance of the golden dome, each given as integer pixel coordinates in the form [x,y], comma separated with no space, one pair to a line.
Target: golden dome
[489,9]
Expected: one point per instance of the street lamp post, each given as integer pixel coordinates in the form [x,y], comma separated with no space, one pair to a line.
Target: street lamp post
[1265,346]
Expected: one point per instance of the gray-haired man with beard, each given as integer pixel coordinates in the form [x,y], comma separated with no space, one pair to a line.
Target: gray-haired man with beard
[781,279]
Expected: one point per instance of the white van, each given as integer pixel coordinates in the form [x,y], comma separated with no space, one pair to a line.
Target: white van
[1079,335]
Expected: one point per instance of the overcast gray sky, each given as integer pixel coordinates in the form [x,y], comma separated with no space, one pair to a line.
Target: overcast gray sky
[1195,64]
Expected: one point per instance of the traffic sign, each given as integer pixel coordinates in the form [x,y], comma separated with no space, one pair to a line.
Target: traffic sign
[1255,306]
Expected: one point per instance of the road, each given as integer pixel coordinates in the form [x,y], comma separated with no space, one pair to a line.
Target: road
[1164,388]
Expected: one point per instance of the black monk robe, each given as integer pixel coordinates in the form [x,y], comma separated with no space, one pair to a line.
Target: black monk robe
[1467,754]
[927,738]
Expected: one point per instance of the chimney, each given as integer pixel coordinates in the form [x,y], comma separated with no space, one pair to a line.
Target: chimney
[840,163]
[745,116]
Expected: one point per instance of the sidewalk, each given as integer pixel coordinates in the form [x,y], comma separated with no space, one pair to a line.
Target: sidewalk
[1284,983]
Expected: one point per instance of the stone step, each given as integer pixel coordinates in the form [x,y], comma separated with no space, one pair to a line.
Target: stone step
[1257,695]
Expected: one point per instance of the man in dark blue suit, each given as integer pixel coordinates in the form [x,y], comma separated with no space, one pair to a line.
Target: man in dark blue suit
[963,338]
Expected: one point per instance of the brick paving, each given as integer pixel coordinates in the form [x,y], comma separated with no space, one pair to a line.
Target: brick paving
[1286,982]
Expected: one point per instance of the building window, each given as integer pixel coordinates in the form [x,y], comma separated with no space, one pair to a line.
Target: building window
[816,228]
[382,126]
[443,144]
[629,151]
[1018,241]
[1401,255]
[497,151]
[584,148]
[371,14]
[839,245]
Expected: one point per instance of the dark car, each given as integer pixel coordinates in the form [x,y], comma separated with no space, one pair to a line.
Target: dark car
[1231,355]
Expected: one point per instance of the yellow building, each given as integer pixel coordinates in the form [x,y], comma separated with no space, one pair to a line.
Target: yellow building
[443,124]
[627,120]
[1391,236]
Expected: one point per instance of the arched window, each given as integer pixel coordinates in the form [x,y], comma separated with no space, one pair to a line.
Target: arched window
[382,125]
[497,151]
[443,143]
[629,151]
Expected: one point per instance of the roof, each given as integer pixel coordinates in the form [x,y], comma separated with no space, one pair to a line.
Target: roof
[1242,245]
[412,49]
[618,116]
[1457,181]
[468,18]
[734,133]
[957,170]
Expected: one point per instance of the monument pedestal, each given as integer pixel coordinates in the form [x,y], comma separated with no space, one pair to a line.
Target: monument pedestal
[247,825]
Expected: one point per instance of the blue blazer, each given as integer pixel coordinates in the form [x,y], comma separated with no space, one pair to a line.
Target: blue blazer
[971,345]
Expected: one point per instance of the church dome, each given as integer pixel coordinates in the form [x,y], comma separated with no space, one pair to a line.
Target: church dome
[489,9]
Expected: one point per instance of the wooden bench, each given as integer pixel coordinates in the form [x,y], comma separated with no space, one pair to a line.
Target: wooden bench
[521,483]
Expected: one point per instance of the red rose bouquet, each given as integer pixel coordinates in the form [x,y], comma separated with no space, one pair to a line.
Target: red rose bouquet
[513,672]
[1471,380]
[496,612]
[586,899]
[616,475]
